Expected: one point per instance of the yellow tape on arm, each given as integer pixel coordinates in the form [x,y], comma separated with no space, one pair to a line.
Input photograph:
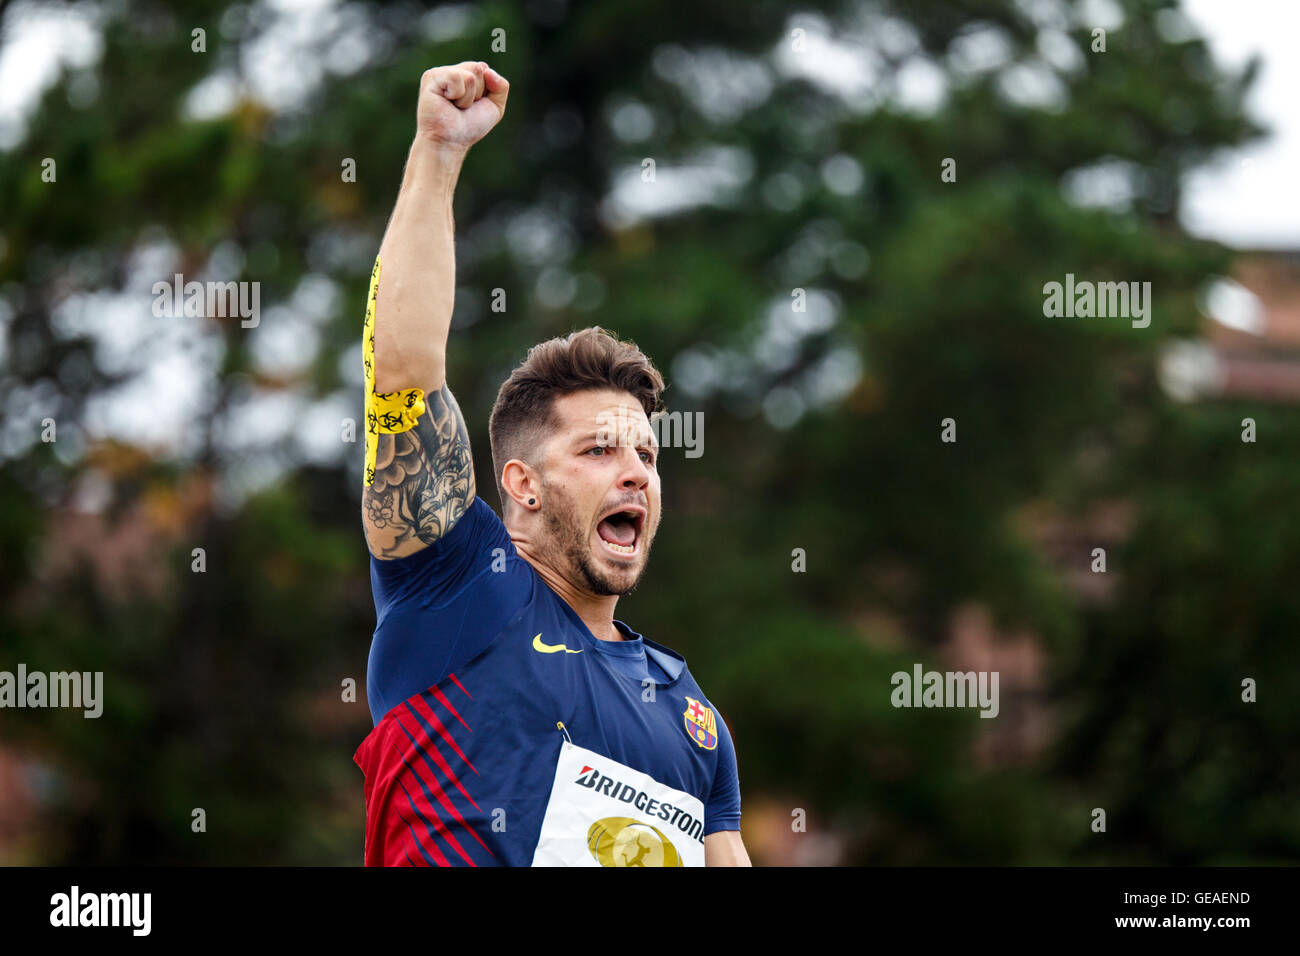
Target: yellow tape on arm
[386,412]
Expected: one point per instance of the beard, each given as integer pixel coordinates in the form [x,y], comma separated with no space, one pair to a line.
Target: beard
[567,542]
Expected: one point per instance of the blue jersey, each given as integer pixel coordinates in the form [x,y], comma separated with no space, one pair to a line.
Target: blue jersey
[507,734]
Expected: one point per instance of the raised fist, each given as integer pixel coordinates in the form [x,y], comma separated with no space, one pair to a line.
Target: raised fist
[459,104]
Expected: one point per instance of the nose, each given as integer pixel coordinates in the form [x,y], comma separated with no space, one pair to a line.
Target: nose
[635,473]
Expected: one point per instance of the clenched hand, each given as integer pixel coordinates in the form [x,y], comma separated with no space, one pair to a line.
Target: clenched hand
[459,104]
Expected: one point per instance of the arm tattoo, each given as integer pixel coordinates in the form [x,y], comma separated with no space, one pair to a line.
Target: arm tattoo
[424,481]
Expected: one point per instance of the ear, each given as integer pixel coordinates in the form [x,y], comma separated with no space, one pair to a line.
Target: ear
[521,482]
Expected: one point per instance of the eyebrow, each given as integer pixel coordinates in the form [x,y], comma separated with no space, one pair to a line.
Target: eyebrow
[591,436]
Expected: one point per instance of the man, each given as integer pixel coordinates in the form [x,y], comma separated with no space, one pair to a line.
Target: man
[516,722]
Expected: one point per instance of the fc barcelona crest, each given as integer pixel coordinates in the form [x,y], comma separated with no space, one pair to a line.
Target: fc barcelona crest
[701,725]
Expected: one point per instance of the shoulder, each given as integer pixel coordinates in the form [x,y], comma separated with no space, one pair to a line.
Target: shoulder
[672,663]
[478,547]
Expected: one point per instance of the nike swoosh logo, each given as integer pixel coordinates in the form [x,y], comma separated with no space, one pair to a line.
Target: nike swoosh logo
[550,648]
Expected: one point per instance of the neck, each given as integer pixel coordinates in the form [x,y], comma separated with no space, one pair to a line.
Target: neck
[596,610]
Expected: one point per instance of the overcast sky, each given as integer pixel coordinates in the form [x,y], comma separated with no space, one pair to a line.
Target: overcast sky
[1251,200]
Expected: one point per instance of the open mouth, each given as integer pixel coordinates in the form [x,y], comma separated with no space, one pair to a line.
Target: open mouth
[620,531]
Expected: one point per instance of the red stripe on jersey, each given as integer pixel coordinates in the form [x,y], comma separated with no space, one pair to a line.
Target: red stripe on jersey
[442,699]
[427,713]
[424,743]
[438,856]
[436,824]
[432,752]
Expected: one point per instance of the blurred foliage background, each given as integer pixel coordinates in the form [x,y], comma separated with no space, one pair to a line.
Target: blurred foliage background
[794,147]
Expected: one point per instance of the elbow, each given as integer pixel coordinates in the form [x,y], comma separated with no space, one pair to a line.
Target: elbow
[398,368]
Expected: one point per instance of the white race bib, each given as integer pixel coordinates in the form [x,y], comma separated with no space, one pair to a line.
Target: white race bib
[603,813]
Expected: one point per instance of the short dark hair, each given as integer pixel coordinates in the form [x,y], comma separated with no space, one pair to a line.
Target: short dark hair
[593,358]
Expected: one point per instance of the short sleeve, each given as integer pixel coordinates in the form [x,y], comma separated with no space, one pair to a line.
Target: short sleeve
[438,571]
[722,812]
[439,608]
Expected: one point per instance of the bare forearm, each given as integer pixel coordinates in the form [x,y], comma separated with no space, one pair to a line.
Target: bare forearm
[456,107]
[418,273]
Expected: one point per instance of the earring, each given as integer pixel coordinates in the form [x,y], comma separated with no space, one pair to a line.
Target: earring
[532,501]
